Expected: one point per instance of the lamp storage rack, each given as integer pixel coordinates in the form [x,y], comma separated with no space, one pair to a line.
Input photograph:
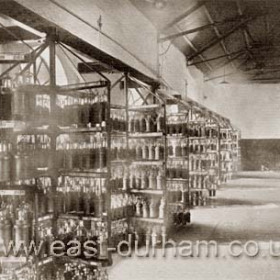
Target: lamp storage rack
[75,166]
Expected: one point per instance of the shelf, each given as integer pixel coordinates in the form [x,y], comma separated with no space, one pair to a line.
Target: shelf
[80,130]
[45,261]
[116,161]
[12,192]
[198,172]
[180,114]
[213,168]
[145,107]
[46,129]
[148,220]
[32,130]
[66,259]
[200,157]
[197,138]
[178,203]
[186,158]
[119,220]
[174,136]
[115,106]
[79,216]
[147,191]
[151,162]
[11,124]
[118,191]
[45,218]
[89,173]
[145,135]
[198,190]
[17,190]
[177,180]
[116,133]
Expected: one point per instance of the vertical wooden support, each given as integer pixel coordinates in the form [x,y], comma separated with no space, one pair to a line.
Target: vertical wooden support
[34,72]
[188,161]
[36,226]
[219,155]
[164,187]
[51,39]
[109,186]
[126,109]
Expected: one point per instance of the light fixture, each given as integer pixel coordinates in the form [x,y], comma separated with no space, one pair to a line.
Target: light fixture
[224,82]
[160,4]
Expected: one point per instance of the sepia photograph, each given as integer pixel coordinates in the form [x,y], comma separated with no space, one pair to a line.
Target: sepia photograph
[139,139]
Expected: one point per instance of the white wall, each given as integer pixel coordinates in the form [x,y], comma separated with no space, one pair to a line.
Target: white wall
[255,109]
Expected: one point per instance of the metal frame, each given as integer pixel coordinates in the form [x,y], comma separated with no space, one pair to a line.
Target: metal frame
[222,37]
[184,15]
[217,57]
[52,40]
[219,35]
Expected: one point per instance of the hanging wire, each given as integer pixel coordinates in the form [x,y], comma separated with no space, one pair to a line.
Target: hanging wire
[167,49]
[102,33]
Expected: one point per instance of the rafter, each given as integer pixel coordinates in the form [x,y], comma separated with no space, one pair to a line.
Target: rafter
[141,96]
[223,36]
[184,15]
[217,57]
[276,79]
[267,26]
[245,29]
[229,74]
[264,73]
[195,49]
[183,33]
[219,35]
[230,60]
[200,28]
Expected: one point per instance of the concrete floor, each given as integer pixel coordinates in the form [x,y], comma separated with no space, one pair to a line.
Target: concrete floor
[246,209]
